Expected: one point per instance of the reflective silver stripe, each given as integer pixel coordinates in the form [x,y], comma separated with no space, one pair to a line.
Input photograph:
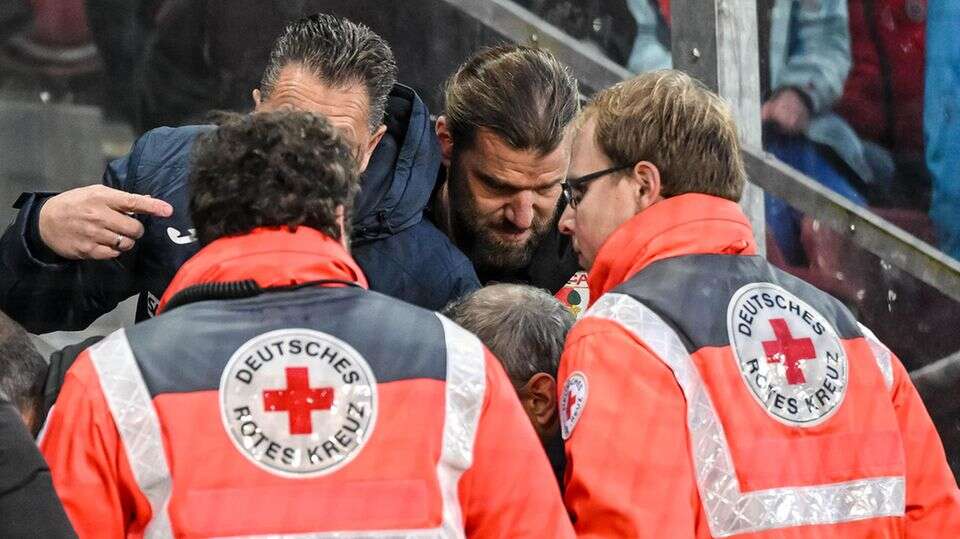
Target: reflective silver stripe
[138,425]
[881,353]
[435,533]
[730,511]
[46,422]
[465,389]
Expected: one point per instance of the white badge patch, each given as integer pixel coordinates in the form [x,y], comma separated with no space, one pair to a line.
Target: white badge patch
[789,355]
[572,401]
[298,403]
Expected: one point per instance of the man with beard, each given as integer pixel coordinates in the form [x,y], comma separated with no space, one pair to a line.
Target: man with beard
[505,139]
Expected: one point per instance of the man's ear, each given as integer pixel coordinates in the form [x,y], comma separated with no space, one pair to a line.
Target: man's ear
[542,402]
[446,140]
[257,99]
[31,420]
[646,175]
[341,223]
[371,146]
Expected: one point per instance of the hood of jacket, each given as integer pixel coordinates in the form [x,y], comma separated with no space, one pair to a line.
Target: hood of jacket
[402,172]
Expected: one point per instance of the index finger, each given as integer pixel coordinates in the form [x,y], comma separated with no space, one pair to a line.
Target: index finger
[142,204]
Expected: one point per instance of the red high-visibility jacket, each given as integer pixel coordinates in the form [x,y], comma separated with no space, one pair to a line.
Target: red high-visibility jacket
[707,394]
[325,410]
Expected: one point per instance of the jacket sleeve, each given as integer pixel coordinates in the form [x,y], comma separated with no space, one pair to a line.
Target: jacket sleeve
[629,467]
[648,52]
[89,465]
[510,490]
[933,500]
[821,60]
[44,292]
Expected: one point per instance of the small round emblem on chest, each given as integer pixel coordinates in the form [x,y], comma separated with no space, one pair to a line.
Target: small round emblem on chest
[573,399]
[789,355]
[298,403]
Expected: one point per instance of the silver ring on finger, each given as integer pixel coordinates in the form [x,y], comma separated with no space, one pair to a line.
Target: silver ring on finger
[116,244]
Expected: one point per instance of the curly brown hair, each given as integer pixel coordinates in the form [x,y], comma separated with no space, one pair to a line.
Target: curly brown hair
[276,169]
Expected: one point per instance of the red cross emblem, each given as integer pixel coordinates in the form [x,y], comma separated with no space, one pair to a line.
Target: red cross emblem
[571,400]
[789,351]
[299,400]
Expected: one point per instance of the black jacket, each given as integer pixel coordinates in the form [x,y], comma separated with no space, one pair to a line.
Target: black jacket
[553,262]
[402,254]
[29,506]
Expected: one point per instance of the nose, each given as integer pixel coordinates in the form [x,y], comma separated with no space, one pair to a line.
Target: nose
[520,211]
[567,220]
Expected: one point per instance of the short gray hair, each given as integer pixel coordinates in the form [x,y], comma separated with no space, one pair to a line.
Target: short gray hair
[525,327]
[338,52]
[23,371]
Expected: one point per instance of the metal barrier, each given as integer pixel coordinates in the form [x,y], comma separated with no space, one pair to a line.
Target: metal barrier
[720,48]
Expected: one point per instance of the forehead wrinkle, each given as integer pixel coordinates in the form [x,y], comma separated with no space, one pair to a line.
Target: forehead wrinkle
[297,92]
[519,168]
[298,87]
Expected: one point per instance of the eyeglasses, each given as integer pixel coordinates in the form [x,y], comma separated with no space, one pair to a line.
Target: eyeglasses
[574,189]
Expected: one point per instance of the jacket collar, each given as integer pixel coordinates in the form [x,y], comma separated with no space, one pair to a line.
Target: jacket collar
[269,256]
[682,225]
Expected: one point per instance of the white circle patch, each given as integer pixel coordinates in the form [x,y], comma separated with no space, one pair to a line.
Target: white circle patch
[789,355]
[298,403]
[572,401]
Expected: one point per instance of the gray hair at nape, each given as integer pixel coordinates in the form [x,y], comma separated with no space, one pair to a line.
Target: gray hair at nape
[525,327]
[23,371]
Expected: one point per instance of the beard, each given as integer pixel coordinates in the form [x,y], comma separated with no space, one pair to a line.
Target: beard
[481,237]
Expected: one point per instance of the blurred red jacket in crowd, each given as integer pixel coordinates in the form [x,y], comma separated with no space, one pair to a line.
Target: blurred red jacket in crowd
[883,96]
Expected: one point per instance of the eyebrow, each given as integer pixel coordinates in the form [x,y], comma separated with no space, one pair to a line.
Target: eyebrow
[502,184]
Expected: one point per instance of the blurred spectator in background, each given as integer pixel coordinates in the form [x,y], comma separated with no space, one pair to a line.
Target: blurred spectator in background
[805,57]
[122,29]
[48,41]
[29,506]
[525,328]
[207,55]
[942,120]
[14,16]
[883,98]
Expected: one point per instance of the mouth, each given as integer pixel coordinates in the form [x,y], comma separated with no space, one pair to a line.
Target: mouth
[514,236]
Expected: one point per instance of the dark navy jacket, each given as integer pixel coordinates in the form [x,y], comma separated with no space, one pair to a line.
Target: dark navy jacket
[401,253]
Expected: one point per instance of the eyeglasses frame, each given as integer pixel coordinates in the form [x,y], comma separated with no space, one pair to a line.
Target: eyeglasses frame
[577,183]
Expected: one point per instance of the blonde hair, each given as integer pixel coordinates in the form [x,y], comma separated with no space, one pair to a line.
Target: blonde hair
[669,119]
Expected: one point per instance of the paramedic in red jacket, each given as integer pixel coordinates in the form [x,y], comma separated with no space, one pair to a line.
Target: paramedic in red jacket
[706,393]
[277,396]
